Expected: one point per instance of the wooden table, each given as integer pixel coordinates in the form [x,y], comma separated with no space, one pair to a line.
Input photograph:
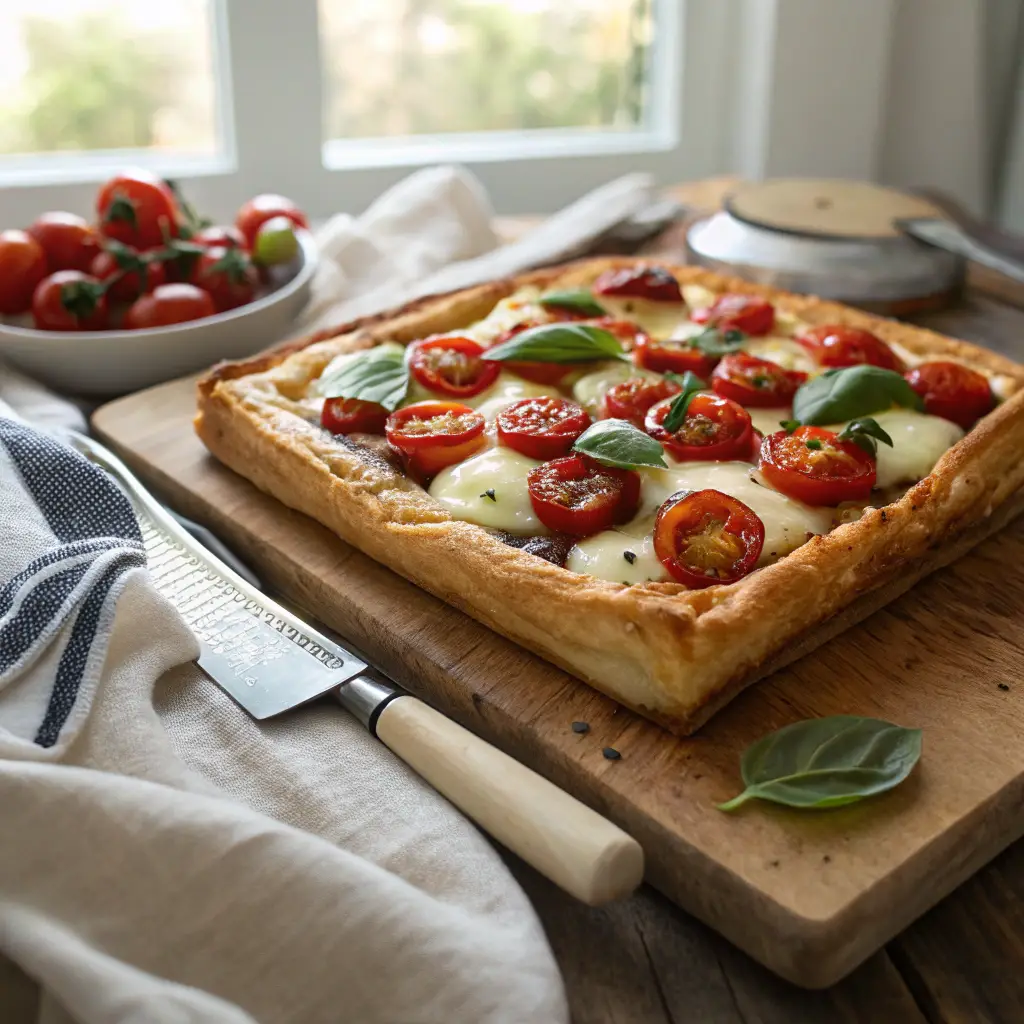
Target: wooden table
[644,961]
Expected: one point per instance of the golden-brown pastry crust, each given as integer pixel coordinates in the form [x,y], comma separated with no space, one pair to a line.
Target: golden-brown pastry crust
[671,654]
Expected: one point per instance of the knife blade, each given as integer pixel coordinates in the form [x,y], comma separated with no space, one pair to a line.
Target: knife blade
[271,661]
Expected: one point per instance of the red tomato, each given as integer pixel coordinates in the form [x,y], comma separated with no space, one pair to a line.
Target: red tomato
[707,537]
[452,365]
[737,312]
[432,435]
[542,428]
[836,345]
[22,267]
[579,496]
[70,243]
[137,275]
[755,382]
[137,208]
[715,428]
[228,275]
[226,236]
[260,209]
[652,283]
[69,301]
[953,391]
[814,466]
[168,304]
[675,356]
[631,399]
[353,416]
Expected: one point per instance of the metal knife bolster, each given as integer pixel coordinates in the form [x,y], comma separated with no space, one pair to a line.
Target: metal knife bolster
[267,659]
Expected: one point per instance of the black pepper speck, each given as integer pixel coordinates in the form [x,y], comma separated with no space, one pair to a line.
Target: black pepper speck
[611,754]
[1004,686]
[581,727]
[629,556]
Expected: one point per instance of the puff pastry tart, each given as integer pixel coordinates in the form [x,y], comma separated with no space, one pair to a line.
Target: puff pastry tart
[656,477]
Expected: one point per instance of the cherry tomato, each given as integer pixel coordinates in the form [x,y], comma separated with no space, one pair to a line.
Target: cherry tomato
[715,428]
[169,304]
[953,391]
[814,466]
[652,283]
[676,356]
[754,382]
[542,428]
[228,275]
[137,208]
[226,236]
[707,537]
[452,365]
[837,345]
[579,496]
[631,399]
[136,274]
[70,243]
[69,301]
[432,435]
[261,208]
[276,242]
[22,267]
[353,416]
[737,312]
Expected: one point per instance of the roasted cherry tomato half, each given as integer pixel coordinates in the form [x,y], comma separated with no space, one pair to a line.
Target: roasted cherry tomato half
[715,428]
[580,496]
[652,283]
[22,267]
[631,399]
[432,435]
[137,208]
[134,275]
[168,304]
[228,275]
[737,312]
[754,382]
[837,345]
[953,391]
[69,301]
[353,416]
[675,356]
[542,428]
[70,243]
[814,466]
[224,235]
[452,365]
[707,537]
[260,209]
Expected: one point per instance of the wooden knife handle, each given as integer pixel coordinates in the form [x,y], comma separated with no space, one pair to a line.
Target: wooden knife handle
[565,840]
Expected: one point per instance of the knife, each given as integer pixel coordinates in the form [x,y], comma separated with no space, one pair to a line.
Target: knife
[270,661]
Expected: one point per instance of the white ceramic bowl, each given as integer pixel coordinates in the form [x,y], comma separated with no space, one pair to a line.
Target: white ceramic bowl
[110,363]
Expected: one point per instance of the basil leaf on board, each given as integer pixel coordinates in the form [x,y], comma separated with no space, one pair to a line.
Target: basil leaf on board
[618,443]
[559,343]
[851,392]
[827,762]
[691,384]
[866,433]
[714,342]
[578,300]
[377,375]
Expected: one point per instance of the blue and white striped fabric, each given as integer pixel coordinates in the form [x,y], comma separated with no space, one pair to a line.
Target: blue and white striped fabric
[68,541]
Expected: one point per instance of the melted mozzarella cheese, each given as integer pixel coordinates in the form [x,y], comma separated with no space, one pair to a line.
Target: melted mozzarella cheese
[768,420]
[918,442]
[697,296]
[604,556]
[658,319]
[513,309]
[784,351]
[462,489]
[503,392]
[590,389]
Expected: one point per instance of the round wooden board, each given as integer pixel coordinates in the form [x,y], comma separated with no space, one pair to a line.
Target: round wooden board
[826,208]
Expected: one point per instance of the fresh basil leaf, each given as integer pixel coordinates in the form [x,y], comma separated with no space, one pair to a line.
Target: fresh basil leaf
[578,300]
[827,762]
[713,341]
[559,343]
[851,392]
[377,375]
[691,385]
[618,443]
[866,433]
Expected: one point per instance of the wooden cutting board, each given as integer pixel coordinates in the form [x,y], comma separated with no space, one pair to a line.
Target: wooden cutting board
[809,894]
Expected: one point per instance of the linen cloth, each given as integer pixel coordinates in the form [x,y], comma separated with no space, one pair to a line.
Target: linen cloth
[166,858]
